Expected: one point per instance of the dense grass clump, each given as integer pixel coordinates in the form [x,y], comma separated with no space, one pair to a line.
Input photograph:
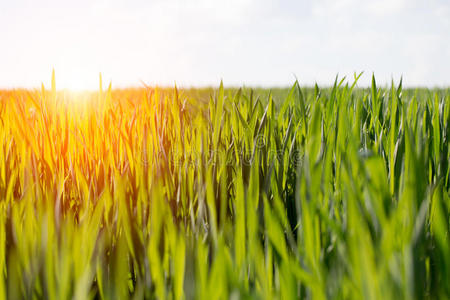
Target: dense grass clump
[303,193]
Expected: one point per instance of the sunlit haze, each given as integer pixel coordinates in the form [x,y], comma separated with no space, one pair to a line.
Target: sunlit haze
[197,43]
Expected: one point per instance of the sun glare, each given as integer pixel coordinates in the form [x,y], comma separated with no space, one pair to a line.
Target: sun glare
[76,80]
[75,83]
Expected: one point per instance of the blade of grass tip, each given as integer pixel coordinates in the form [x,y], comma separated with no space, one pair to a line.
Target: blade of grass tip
[109,94]
[284,107]
[42,92]
[374,92]
[314,134]
[393,139]
[399,88]
[436,134]
[356,78]
[218,116]
[302,102]
[341,82]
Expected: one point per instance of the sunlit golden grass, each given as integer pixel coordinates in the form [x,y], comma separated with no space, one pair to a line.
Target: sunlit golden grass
[161,193]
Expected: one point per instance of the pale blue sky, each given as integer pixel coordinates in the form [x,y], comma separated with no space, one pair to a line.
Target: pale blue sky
[198,42]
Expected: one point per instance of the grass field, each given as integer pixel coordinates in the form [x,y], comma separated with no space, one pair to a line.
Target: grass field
[333,193]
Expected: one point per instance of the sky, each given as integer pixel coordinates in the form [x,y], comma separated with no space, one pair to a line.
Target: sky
[243,42]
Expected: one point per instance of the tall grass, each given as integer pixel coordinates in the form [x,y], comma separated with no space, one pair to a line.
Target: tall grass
[327,193]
